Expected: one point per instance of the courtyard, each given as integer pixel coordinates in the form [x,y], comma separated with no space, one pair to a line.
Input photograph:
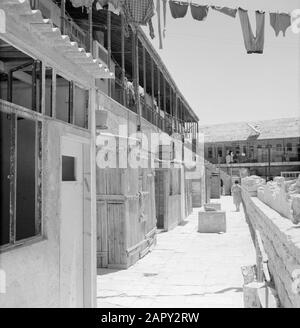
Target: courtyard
[185,269]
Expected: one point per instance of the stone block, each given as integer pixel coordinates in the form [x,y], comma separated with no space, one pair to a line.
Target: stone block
[252,183]
[251,296]
[296,208]
[212,222]
[215,206]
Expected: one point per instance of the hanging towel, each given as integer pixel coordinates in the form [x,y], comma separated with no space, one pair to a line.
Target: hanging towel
[178,8]
[225,10]
[165,16]
[139,12]
[280,22]
[199,12]
[253,44]
[159,23]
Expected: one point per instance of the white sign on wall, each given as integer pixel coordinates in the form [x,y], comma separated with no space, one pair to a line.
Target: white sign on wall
[2,21]
[2,282]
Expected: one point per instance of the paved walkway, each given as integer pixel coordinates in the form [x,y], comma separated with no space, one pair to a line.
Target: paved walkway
[185,269]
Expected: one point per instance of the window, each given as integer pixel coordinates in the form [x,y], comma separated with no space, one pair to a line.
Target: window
[48,91]
[81,105]
[72,102]
[258,147]
[289,147]
[279,147]
[210,152]
[220,152]
[68,168]
[20,164]
[64,99]
[20,78]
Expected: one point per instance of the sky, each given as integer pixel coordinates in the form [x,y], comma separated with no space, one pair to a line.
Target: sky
[221,82]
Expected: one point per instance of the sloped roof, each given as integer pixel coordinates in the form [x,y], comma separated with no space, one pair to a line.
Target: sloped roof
[255,130]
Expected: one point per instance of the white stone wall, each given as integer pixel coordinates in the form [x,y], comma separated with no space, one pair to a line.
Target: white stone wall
[281,239]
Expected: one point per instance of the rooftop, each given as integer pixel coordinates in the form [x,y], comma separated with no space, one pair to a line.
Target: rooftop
[254,130]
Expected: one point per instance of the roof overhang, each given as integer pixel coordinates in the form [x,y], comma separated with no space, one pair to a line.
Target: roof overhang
[47,33]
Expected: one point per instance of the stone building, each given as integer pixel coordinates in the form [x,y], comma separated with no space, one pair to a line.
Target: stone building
[263,148]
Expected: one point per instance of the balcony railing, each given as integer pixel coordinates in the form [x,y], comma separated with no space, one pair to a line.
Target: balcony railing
[75,33]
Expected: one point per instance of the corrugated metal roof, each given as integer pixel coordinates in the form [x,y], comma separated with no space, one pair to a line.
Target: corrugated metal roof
[254,130]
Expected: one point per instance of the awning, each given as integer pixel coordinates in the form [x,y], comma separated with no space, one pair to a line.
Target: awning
[62,43]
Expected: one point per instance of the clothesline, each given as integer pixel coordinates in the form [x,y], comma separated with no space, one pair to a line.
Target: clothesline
[205,3]
[254,43]
[141,13]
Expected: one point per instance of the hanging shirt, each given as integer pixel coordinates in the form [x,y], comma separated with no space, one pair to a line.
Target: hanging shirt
[178,9]
[139,12]
[280,22]
[199,12]
[81,3]
[225,10]
[253,44]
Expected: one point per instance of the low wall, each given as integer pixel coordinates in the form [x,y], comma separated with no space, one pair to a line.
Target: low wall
[281,240]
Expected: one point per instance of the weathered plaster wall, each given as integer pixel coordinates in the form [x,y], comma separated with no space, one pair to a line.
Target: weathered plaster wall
[281,240]
[32,271]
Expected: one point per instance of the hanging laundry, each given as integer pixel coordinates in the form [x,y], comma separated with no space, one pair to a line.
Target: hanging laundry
[178,8]
[165,16]
[280,22]
[113,5]
[159,23]
[225,10]
[139,12]
[98,6]
[82,3]
[253,44]
[199,12]
[113,9]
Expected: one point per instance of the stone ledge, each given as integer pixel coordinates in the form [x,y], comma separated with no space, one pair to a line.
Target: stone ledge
[281,239]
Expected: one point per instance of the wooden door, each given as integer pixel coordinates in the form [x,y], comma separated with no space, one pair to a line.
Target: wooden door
[116,234]
[102,239]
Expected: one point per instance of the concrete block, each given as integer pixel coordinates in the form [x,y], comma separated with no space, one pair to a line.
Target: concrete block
[251,296]
[212,222]
[215,206]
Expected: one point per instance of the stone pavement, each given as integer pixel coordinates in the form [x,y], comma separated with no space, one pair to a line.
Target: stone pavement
[185,269]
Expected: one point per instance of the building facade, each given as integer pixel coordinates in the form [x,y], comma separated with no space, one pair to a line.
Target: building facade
[264,148]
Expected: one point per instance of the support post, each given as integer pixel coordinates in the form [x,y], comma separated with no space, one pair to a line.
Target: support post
[136,78]
[165,104]
[109,48]
[158,96]
[34,80]
[123,60]
[145,83]
[152,92]
[63,17]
